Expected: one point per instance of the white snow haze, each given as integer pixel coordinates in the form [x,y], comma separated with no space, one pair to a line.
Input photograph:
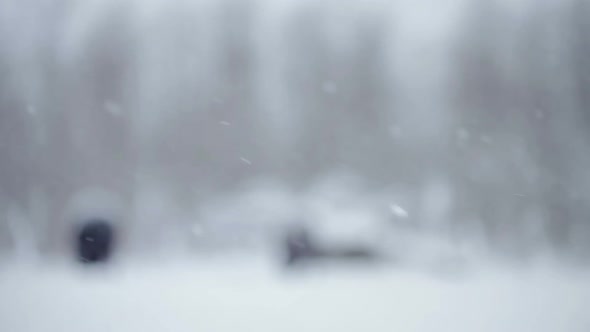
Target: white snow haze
[294,165]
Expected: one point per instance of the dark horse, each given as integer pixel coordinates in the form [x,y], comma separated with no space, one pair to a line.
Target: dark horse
[95,239]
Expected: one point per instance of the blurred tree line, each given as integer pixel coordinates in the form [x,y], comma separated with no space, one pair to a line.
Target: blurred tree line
[199,98]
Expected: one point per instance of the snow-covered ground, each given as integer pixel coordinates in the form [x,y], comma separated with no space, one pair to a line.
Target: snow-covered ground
[252,295]
[424,281]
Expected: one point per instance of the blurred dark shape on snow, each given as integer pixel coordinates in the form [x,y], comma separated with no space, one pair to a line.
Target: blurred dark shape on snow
[298,245]
[95,241]
[301,247]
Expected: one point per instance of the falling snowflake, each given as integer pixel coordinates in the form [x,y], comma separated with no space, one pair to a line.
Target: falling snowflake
[197,230]
[486,139]
[329,87]
[398,211]
[112,107]
[396,131]
[31,110]
[463,134]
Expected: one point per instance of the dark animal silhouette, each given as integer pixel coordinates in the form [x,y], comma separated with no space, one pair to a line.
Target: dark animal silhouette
[95,241]
[300,247]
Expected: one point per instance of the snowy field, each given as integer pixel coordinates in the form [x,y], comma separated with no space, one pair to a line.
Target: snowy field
[252,295]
